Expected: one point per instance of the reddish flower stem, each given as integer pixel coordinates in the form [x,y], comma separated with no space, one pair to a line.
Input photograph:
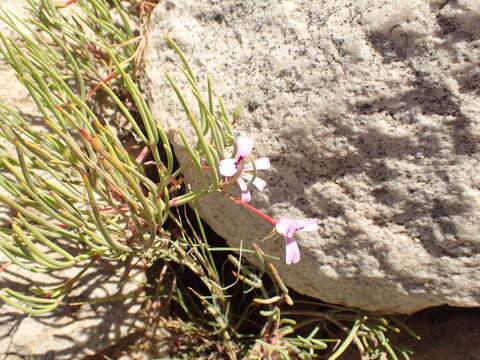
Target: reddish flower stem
[143,155]
[255,210]
[4,265]
[99,85]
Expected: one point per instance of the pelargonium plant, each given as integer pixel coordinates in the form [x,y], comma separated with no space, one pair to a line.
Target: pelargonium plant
[240,169]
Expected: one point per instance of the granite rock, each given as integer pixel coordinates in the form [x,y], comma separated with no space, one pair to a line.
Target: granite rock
[370,114]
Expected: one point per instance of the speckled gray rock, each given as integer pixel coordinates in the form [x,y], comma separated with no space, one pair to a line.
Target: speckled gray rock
[369,111]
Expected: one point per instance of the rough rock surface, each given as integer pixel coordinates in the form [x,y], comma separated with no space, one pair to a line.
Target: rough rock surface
[370,113]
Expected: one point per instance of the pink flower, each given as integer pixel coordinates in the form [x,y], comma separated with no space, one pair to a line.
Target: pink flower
[288,227]
[237,168]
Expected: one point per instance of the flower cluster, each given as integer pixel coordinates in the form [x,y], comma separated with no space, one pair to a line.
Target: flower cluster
[238,170]
[288,227]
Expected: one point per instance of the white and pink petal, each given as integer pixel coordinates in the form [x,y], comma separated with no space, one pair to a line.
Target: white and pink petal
[257,182]
[286,227]
[262,163]
[228,167]
[292,252]
[244,148]
[307,225]
[245,193]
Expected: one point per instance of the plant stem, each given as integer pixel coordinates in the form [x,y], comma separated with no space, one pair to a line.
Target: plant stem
[255,210]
